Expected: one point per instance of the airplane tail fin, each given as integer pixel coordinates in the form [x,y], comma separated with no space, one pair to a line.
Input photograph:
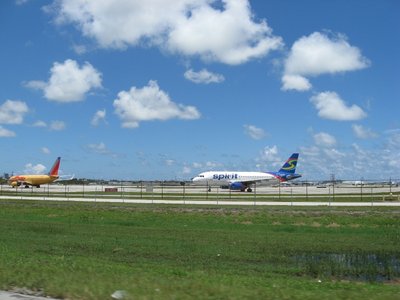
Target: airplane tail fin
[290,165]
[55,167]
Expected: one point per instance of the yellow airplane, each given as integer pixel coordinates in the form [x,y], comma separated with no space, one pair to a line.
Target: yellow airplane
[36,180]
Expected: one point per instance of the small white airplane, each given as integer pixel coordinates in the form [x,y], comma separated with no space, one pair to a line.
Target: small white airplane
[244,180]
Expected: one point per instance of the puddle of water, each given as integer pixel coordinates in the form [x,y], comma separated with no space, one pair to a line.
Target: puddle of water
[353,266]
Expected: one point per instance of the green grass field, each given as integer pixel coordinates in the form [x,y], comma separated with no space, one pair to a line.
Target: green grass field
[87,251]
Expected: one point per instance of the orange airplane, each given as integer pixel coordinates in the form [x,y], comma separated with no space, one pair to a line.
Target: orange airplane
[36,180]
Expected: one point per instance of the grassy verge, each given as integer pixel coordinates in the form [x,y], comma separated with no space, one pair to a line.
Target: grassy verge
[82,251]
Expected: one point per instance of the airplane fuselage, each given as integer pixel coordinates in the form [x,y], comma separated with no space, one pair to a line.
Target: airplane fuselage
[34,180]
[228,177]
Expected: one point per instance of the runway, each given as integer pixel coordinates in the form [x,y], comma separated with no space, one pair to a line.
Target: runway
[209,202]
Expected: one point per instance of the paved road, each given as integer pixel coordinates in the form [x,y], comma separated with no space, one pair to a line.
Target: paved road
[210,202]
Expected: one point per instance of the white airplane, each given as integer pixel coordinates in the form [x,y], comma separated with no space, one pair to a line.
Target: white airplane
[244,180]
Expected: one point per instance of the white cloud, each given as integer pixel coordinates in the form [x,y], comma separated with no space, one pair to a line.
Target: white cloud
[295,82]
[186,170]
[392,131]
[211,164]
[334,154]
[39,123]
[13,112]
[270,154]
[197,165]
[35,84]
[254,132]
[6,133]
[102,149]
[394,140]
[363,133]
[324,139]
[320,163]
[21,2]
[99,116]
[98,148]
[203,76]
[269,158]
[312,151]
[45,150]
[68,82]
[391,151]
[331,106]
[354,162]
[34,169]
[223,31]
[318,54]
[79,49]
[169,162]
[57,125]
[150,103]
[229,35]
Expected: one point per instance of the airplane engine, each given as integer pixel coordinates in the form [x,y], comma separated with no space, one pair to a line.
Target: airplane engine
[237,186]
[15,184]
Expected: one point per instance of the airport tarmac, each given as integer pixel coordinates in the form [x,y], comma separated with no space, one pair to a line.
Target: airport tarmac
[193,189]
[349,195]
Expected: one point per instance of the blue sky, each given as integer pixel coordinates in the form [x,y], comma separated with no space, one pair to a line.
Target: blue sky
[167,89]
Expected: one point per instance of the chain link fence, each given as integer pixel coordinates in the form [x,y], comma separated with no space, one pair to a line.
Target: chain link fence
[344,191]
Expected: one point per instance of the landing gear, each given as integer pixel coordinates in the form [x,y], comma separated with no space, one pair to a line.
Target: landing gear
[249,190]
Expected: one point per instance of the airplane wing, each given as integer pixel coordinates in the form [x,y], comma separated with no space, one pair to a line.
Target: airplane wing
[65,177]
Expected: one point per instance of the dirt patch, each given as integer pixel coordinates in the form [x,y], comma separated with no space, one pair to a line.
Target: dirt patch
[333,225]
[315,224]
[246,222]
[355,225]
[299,224]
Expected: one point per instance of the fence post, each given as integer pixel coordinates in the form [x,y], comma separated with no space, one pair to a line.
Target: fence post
[361,189]
[279,187]
[306,190]
[255,192]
